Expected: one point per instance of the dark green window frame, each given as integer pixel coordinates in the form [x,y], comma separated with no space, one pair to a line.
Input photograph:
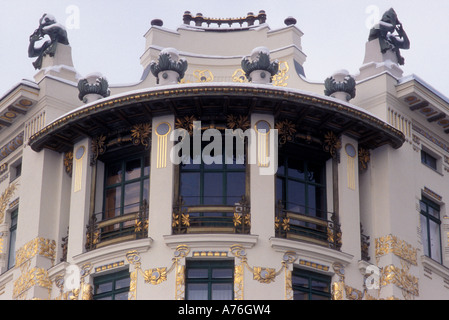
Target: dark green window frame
[113,286]
[431,229]
[12,239]
[207,275]
[290,182]
[197,182]
[308,285]
[141,179]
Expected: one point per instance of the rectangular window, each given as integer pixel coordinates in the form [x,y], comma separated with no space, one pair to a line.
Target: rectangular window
[300,186]
[210,280]
[12,239]
[126,189]
[113,286]
[428,160]
[309,285]
[430,229]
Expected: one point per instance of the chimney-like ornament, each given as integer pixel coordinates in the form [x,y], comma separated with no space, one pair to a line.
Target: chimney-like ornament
[258,68]
[340,85]
[93,87]
[169,69]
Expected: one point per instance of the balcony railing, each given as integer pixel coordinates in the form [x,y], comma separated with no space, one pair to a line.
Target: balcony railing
[211,218]
[130,226]
[305,224]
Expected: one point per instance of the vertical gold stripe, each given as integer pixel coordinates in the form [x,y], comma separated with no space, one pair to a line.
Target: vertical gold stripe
[78,174]
[262,149]
[162,151]
[351,172]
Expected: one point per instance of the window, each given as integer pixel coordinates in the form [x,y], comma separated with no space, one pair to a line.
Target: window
[114,286]
[16,170]
[126,186]
[12,239]
[428,160]
[300,186]
[210,280]
[212,184]
[308,285]
[430,229]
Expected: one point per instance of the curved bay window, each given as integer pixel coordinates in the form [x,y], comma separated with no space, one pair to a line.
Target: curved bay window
[301,210]
[212,193]
[125,202]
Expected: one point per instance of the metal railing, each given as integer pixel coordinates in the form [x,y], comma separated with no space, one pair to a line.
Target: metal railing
[130,226]
[307,224]
[211,218]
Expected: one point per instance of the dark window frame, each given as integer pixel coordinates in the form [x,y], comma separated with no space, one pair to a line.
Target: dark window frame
[112,278]
[210,280]
[309,289]
[428,205]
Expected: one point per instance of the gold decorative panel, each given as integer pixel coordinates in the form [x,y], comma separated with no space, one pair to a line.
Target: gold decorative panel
[392,244]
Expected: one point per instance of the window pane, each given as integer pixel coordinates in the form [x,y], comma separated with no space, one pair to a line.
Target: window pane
[222,291]
[122,283]
[299,295]
[114,174]
[213,188]
[12,249]
[197,291]
[320,286]
[133,169]
[435,242]
[121,296]
[197,273]
[424,235]
[103,287]
[220,273]
[235,187]
[190,188]
[113,202]
[131,202]
[296,196]
[300,281]
[434,212]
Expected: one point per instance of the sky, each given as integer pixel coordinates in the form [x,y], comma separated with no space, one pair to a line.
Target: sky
[107,35]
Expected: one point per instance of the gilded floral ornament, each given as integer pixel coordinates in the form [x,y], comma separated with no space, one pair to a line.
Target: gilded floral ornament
[332,144]
[264,275]
[364,158]
[155,276]
[238,122]
[140,134]
[68,162]
[286,131]
[98,147]
[185,123]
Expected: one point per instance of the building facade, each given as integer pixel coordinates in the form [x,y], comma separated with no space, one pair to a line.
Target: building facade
[331,190]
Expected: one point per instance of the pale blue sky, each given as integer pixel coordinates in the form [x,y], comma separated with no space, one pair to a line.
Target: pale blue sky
[109,38]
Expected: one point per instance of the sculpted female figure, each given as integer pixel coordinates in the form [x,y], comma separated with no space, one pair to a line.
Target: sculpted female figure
[55,31]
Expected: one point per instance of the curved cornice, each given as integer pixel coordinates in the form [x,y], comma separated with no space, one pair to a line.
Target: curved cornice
[118,112]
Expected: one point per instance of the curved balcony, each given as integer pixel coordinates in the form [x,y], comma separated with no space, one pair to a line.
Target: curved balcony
[130,226]
[307,224]
[211,218]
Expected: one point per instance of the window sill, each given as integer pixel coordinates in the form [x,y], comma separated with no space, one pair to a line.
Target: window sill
[435,266]
[210,240]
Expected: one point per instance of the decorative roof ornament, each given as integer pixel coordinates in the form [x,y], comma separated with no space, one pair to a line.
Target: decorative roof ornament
[93,87]
[199,19]
[258,68]
[57,34]
[340,85]
[169,69]
[391,35]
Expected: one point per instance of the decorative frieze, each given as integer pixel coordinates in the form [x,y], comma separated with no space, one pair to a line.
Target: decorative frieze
[392,244]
